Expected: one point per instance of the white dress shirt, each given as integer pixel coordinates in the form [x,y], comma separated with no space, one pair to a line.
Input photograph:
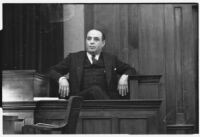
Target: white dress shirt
[90,57]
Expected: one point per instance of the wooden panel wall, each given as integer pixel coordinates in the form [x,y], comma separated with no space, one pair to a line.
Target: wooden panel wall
[156,39]
[32,36]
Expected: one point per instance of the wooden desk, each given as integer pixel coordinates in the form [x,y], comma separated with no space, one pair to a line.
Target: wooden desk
[111,117]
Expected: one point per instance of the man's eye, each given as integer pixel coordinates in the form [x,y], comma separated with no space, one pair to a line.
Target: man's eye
[96,39]
[89,38]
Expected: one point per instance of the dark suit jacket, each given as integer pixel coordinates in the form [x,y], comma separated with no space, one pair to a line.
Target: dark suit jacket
[73,64]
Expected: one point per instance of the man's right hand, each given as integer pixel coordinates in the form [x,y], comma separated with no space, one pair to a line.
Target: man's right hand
[63,87]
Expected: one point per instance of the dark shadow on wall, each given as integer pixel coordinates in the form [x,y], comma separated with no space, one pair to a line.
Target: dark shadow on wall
[32,36]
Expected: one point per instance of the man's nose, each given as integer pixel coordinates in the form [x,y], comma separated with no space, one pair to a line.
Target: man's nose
[91,41]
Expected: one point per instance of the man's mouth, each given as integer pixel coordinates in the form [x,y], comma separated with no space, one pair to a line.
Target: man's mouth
[91,47]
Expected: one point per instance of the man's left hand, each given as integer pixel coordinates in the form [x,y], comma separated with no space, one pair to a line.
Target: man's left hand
[123,85]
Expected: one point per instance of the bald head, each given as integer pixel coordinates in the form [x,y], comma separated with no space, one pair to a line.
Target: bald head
[102,34]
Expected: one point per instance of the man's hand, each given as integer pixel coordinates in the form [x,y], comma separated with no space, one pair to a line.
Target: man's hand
[123,85]
[63,87]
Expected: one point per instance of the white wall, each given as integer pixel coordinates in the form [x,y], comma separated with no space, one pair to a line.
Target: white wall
[73,28]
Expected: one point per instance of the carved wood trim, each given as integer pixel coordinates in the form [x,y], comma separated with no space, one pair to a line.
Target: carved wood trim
[100,104]
[19,73]
[146,78]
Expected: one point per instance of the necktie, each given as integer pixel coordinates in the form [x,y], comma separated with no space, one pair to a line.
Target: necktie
[93,59]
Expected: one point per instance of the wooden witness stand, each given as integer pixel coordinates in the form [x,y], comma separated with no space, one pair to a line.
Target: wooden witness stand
[138,115]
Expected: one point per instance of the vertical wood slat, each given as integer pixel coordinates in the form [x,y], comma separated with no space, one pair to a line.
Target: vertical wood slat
[79,129]
[44,31]
[46,34]
[37,35]
[28,42]
[151,39]
[88,17]
[123,32]
[7,36]
[16,38]
[12,24]
[134,89]
[115,125]
[189,65]
[20,34]
[33,31]
[170,64]
[116,39]
[40,44]
[195,38]
[26,37]
[178,57]
[58,33]
[133,36]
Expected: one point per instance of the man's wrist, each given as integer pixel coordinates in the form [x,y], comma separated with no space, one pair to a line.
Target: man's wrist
[61,78]
[125,76]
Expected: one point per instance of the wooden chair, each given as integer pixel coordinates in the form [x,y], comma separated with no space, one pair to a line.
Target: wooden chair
[67,126]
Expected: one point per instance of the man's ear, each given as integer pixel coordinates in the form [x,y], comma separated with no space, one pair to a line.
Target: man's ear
[104,42]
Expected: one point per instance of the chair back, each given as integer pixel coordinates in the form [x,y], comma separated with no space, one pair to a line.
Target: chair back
[73,111]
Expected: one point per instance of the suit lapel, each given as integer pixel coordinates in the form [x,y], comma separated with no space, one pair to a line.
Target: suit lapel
[80,61]
[107,63]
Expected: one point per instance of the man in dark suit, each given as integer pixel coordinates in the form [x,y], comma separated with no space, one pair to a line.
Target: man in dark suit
[92,73]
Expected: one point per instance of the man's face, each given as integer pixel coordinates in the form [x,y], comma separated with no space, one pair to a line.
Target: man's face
[94,42]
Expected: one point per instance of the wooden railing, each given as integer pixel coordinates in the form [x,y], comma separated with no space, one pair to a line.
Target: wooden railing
[139,114]
[112,117]
[145,87]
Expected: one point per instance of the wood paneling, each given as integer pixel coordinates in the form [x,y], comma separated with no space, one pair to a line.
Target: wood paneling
[178,57]
[157,39]
[133,36]
[24,112]
[170,74]
[133,126]
[123,48]
[119,116]
[181,63]
[9,124]
[145,87]
[96,126]
[88,17]
[151,39]
[149,91]
[189,64]
[196,49]
[30,39]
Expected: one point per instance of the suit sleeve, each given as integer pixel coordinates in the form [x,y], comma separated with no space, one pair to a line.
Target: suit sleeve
[60,69]
[123,68]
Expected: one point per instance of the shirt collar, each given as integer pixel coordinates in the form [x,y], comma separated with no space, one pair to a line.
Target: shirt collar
[90,56]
